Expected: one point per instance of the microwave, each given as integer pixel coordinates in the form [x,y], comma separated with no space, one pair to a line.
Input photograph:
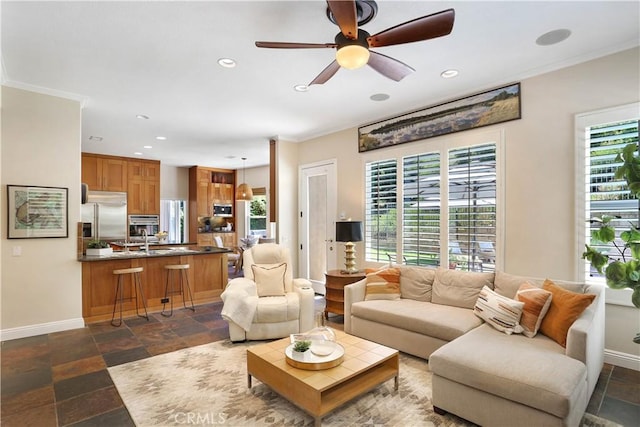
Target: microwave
[223,210]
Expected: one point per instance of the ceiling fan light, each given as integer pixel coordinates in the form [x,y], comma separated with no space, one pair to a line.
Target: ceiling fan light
[352,56]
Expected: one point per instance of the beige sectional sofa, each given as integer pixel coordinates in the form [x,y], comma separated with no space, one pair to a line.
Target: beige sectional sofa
[480,373]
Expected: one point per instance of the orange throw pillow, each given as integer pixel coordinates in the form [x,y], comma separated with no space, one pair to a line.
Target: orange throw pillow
[565,308]
[536,304]
[382,284]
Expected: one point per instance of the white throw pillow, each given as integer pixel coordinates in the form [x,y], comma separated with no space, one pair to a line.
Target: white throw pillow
[269,279]
[500,312]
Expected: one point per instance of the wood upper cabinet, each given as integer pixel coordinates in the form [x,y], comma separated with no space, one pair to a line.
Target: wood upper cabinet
[206,187]
[205,207]
[144,169]
[104,173]
[143,194]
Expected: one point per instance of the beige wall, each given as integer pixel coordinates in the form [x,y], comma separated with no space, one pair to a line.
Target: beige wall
[287,195]
[174,183]
[539,153]
[41,289]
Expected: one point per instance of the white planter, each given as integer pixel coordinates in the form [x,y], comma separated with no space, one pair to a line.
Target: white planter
[99,251]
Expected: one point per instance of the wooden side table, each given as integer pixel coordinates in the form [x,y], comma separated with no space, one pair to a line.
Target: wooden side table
[335,283]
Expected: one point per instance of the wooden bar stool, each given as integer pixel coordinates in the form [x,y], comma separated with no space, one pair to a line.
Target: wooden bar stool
[136,287]
[169,289]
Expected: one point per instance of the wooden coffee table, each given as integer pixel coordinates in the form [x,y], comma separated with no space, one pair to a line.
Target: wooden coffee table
[366,365]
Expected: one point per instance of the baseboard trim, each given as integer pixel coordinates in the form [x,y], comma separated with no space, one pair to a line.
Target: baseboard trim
[40,329]
[624,360]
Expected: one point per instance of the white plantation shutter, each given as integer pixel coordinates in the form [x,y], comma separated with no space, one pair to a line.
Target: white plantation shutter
[605,194]
[380,226]
[472,207]
[421,209]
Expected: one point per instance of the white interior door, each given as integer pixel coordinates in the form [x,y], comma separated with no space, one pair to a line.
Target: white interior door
[318,207]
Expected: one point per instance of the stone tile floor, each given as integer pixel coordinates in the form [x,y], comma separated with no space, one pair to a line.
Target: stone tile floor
[60,379]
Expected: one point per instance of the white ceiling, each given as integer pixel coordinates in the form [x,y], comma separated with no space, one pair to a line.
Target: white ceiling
[160,59]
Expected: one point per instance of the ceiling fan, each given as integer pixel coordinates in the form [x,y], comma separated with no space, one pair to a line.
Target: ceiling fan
[354,45]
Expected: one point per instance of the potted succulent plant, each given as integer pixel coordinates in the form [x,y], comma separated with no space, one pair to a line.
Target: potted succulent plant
[98,247]
[301,346]
[621,270]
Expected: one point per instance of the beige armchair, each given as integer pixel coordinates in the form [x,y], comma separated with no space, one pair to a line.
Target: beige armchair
[267,302]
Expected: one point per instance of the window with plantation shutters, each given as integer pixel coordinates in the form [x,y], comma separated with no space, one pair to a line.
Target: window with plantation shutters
[380,225]
[446,208]
[606,195]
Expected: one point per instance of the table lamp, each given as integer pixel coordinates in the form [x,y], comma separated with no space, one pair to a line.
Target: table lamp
[349,232]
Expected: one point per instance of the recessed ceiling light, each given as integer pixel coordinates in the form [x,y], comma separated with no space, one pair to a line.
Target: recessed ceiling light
[229,157]
[137,153]
[226,62]
[553,37]
[95,138]
[161,138]
[301,88]
[448,74]
[147,146]
[379,97]
[142,116]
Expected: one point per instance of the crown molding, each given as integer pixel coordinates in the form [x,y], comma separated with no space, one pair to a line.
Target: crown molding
[45,90]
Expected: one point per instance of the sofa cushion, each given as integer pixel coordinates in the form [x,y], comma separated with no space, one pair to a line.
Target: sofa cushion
[536,304]
[278,309]
[269,279]
[500,312]
[416,282]
[508,284]
[382,284]
[565,308]
[437,321]
[459,288]
[532,371]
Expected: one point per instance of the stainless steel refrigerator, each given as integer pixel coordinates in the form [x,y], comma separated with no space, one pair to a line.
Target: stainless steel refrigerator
[104,216]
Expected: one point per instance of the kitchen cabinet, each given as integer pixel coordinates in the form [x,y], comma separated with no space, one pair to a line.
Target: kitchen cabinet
[205,239]
[228,239]
[207,276]
[208,239]
[143,190]
[104,173]
[144,169]
[209,186]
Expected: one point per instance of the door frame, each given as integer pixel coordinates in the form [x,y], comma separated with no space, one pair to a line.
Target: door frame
[330,169]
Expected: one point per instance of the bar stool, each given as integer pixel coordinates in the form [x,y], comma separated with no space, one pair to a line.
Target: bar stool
[169,289]
[137,287]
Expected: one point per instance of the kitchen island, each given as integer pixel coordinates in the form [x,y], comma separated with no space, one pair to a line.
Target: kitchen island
[208,275]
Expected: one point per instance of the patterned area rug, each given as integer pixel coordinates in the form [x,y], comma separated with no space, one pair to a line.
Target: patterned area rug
[207,385]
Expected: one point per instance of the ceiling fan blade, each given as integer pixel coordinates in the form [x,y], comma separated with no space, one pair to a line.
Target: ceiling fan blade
[345,15]
[425,28]
[326,74]
[287,45]
[389,67]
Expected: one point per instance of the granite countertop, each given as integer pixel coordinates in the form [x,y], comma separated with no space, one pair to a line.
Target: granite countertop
[154,253]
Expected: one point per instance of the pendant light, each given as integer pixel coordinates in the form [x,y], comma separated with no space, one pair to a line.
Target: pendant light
[244,192]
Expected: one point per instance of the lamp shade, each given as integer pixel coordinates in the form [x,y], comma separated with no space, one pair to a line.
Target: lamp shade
[244,192]
[348,231]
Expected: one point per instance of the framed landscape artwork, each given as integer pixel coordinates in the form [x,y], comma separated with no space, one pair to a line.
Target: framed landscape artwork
[482,109]
[36,212]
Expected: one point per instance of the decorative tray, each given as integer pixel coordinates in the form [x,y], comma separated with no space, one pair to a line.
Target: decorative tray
[313,362]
